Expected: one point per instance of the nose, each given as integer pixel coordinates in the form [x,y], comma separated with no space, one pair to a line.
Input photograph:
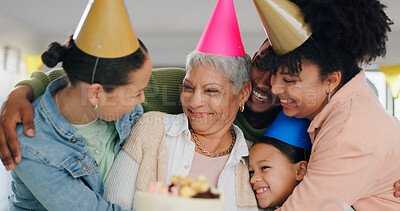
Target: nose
[196,99]
[264,80]
[277,86]
[142,98]
[255,178]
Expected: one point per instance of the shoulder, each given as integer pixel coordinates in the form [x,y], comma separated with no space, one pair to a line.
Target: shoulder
[152,118]
[46,146]
[360,123]
[149,127]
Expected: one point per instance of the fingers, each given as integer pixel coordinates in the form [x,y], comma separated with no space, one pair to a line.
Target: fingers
[5,153]
[27,120]
[11,143]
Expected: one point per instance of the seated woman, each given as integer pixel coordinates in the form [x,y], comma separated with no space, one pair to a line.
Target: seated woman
[81,121]
[200,141]
[278,161]
[356,144]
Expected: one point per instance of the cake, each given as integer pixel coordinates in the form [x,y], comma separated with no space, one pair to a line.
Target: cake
[184,194]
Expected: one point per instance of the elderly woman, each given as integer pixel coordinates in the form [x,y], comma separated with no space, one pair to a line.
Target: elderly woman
[356,144]
[200,141]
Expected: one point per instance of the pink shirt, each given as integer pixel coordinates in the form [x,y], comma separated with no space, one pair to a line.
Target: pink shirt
[214,167]
[355,157]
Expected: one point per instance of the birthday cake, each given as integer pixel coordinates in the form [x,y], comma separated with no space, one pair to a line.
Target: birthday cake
[184,194]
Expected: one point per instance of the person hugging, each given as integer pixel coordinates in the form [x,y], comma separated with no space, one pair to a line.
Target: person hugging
[278,160]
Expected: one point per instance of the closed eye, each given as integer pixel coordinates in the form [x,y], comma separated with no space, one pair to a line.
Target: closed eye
[265,167]
[211,90]
[289,81]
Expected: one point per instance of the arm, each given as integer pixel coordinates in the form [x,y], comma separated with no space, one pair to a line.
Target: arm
[120,185]
[39,80]
[18,109]
[337,173]
[55,188]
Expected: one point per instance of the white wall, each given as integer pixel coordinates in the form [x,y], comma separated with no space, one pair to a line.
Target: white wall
[21,38]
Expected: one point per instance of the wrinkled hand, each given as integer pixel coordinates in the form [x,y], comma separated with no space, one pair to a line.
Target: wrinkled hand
[397,189]
[16,109]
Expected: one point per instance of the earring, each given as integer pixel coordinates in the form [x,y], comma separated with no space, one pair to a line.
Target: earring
[96,106]
[242,108]
[329,95]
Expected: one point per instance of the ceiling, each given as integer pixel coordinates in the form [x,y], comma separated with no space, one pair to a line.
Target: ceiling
[170,28]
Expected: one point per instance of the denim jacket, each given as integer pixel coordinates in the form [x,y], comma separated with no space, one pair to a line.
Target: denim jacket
[57,171]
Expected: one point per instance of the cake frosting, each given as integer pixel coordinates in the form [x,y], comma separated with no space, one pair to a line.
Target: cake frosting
[184,194]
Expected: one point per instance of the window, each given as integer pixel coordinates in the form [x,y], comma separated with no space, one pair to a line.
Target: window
[377,81]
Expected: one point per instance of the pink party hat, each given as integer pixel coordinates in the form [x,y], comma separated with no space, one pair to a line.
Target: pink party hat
[222,35]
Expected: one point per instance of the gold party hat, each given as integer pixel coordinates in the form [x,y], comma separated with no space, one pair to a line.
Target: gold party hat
[105,30]
[284,23]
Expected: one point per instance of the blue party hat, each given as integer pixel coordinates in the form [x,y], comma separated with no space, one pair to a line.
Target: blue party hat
[290,130]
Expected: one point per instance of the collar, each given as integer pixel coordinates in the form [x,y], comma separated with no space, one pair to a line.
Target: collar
[240,150]
[180,123]
[352,88]
[48,109]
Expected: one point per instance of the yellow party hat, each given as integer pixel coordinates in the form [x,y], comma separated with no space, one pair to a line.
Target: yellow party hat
[284,23]
[392,74]
[105,30]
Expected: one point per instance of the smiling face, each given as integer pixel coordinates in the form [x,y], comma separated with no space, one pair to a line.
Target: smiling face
[261,98]
[208,99]
[302,95]
[272,175]
[112,105]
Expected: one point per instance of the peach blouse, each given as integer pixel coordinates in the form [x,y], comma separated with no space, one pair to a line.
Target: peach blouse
[355,157]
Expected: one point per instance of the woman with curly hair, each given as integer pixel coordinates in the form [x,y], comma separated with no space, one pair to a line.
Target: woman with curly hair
[356,144]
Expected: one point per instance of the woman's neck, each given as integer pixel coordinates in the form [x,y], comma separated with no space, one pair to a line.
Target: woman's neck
[73,105]
[216,142]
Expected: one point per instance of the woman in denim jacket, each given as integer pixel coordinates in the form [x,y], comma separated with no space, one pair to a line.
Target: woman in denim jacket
[82,120]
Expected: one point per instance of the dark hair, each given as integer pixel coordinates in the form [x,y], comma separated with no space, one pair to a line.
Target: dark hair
[78,65]
[293,153]
[265,62]
[345,35]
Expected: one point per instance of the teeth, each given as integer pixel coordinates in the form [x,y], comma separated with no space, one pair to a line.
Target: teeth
[261,190]
[259,96]
[287,101]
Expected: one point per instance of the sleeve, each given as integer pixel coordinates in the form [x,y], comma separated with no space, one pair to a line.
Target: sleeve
[338,174]
[120,184]
[57,189]
[163,91]
[39,81]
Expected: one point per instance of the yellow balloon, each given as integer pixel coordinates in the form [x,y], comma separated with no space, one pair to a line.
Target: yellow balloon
[32,63]
[392,74]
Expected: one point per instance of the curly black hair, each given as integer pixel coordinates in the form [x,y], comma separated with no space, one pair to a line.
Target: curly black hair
[345,35]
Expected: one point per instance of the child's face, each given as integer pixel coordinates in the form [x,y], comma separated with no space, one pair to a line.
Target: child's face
[272,175]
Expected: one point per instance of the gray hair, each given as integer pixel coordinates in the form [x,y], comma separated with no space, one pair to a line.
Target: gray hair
[237,70]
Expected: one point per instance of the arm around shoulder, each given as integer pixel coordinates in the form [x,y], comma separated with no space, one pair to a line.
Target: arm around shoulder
[39,80]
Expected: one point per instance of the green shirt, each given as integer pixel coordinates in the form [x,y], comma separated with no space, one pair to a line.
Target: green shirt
[251,134]
[99,137]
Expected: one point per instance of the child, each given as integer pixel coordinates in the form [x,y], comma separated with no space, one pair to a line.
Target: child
[278,161]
